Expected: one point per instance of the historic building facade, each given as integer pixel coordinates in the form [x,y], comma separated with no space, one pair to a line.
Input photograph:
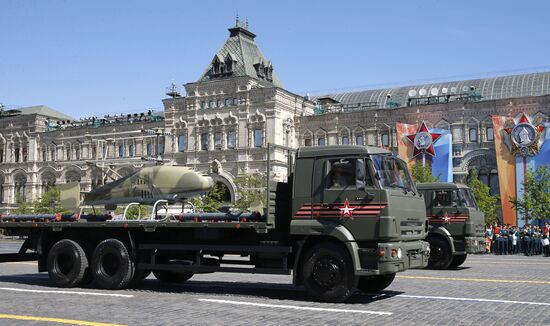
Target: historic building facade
[224,121]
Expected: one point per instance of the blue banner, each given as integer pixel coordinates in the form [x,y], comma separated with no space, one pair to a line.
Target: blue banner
[442,163]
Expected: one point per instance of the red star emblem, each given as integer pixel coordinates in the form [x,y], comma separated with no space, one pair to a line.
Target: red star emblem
[346,211]
[423,140]
[446,218]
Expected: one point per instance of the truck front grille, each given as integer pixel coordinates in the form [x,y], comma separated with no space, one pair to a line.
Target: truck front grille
[411,228]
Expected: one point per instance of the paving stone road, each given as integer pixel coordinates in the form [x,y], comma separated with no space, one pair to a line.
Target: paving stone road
[487,290]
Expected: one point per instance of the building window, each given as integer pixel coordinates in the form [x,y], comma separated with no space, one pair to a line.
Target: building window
[359,140]
[181,143]
[121,151]
[232,140]
[149,149]
[204,141]
[307,142]
[218,140]
[345,140]
[94,152]
[385,140]
[52,155]
[258,137]
[203,105]
[161,148]
[1,159]
[490,134]
[25,154]
[68,154]
[321,141]
[227,102]
[77,154]
[131,150]
[17,154]
[212,104]
[219,103]
[473,135]
[105,150]
[235,101]
[44,153]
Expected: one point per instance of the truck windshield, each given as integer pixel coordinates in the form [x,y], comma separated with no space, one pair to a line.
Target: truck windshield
[468,197]
[393,172]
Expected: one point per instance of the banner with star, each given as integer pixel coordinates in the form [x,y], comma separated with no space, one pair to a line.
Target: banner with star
[520,145]
[431,145]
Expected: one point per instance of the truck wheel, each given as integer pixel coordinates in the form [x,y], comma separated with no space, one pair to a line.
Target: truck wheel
[458,260]
[327,273]
[67,263]
[375,283]
[112,266]
[440,254]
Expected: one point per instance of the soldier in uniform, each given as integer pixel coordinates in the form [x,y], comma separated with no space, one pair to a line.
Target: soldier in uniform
[504,233]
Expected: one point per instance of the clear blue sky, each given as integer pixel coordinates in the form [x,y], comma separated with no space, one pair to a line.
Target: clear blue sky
[97,57]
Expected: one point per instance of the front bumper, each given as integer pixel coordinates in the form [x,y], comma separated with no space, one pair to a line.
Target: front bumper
[474,245]
[414,254]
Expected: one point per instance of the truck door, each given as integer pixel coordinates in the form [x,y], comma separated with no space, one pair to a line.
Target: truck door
[448,210]
[347,195]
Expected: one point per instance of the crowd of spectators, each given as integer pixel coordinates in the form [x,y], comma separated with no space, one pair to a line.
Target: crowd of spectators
[510,240]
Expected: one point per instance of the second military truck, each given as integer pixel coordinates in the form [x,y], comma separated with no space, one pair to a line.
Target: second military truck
[457,225]
[349,217]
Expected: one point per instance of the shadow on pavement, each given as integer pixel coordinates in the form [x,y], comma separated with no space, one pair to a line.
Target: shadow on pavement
[264,290]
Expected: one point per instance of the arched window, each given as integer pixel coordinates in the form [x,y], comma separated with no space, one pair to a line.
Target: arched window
[131,150]
[490,134]
[204,141]
[231,139]
[149,149]
[321,141]
[385,140]
[473,135]
[258,137]
[359,140]
[77,154]
[121,151]
[181,143]
[68,154]
[44,153]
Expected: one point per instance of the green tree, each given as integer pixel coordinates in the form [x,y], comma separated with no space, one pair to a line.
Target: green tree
[422,173]
[22,206]
[134,212]
[251,189]
[485,201]
[211,202]
[48,203]
[536,194]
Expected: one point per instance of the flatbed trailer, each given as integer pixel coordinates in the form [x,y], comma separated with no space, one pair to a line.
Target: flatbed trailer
[334,238]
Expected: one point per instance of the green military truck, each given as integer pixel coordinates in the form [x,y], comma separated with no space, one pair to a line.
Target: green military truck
[348,218]
[456,225]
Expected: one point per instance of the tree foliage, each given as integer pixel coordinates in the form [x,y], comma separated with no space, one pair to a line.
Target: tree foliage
[22,206]
[134,212]
[536,194]
[422,173]
[251,188]
[485,201]
[211,202]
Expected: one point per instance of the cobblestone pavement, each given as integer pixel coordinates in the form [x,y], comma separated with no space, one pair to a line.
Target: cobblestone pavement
[486,290]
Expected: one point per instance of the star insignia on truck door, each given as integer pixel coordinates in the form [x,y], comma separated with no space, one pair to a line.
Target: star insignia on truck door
[446,218]
[346,211]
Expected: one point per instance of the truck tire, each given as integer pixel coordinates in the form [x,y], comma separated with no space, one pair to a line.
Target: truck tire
[172,277]
[327,273]
[112,266]
[440,253]
[67,263]
[375,283]
[458,260]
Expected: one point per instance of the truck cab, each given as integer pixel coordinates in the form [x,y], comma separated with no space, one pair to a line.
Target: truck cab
[456,224]
[364,198]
